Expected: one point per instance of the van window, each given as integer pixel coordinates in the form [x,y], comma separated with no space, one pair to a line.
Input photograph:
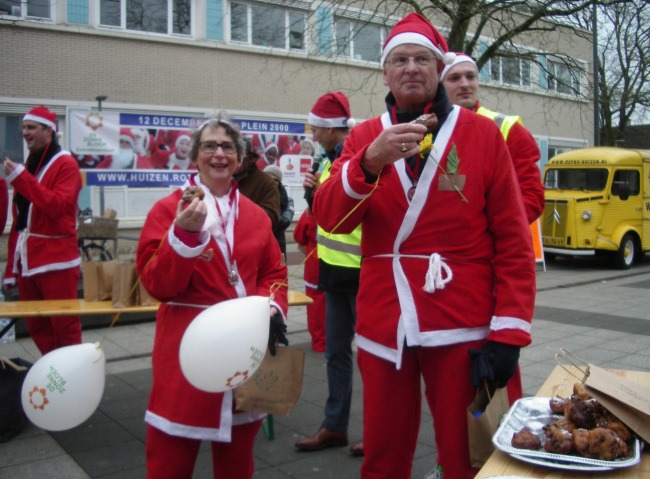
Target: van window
[629,178]
[582,179]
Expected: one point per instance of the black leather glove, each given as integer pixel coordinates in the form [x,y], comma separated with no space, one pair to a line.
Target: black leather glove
[277,330]
[496,362]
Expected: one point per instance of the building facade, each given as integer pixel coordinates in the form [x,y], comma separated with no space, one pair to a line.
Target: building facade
[262,62]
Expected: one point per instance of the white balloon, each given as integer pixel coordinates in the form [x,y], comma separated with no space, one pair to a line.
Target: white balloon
[64,387]
[225,344]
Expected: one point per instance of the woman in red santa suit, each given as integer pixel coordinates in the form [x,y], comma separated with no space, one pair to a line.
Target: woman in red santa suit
[447,287]
[213,249]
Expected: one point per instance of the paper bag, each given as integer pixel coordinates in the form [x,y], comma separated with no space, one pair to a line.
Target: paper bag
[627,400]
[483,417]
[97,279]
[144,298]
[276,385]
[124,291]
[105,271]
[90,279]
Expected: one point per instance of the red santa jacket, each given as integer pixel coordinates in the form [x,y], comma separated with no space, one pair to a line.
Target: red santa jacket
[479,251]
[49,242]
[188,279]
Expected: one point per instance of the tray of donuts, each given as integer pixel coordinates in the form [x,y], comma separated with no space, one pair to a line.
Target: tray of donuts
[575,433]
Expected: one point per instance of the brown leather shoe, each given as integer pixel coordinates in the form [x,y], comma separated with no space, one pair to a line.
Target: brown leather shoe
[356,449]
[322,439]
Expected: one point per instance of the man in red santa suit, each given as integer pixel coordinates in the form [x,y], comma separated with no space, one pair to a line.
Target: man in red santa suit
[461,80]
[126,158]
[447,287]
[42,253]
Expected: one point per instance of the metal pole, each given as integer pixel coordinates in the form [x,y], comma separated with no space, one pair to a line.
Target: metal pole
[101,187]
[594,27]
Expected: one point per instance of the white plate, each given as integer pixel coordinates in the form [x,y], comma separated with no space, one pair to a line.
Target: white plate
[535,412]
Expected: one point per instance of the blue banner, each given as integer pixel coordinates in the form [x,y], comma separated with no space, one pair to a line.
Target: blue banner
[150,178]
[276,127]
[161,121]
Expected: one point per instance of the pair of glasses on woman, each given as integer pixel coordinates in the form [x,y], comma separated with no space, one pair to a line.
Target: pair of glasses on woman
[210,147]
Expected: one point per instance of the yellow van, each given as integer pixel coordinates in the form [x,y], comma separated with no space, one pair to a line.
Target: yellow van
[598,202]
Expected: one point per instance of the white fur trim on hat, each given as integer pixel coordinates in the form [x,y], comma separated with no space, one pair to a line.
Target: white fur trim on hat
[410,37]
[459,58]
[128,139]
[338,122]
[40,119]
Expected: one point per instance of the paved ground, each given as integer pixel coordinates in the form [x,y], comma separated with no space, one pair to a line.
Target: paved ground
[600,314]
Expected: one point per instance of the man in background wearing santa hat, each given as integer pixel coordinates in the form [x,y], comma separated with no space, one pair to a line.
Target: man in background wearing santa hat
[447,287]
[43,254]
[339,257]
[461,80]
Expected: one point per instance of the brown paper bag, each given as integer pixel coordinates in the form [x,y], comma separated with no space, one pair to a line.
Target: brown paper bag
[90,279]
[483,417]
[627,400]
[276,385]
[105,271]
[124,291]
[144,298]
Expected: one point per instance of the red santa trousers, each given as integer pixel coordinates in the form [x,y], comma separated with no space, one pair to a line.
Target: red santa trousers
[392,402]
[173,457]
[52,332]
[316,318]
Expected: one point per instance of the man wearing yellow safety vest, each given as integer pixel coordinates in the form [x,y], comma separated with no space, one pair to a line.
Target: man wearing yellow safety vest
[339,262]
[461,80]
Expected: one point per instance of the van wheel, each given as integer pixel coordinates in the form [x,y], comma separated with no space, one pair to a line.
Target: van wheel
[624,257]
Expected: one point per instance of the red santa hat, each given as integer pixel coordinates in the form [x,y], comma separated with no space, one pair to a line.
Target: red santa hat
[460,58]
[42,115]
[415,29]
[127,135]
[331,110]
[183,135]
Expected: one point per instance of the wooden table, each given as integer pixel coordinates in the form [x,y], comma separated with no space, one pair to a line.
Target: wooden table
[560,383]
[81,307]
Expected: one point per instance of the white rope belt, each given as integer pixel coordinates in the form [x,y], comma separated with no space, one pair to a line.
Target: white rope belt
[434,278]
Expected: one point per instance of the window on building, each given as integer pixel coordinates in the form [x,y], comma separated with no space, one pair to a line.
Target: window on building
[267,26]
[357,40]
[563,78]
[155,16]
[510,71]
[28,8]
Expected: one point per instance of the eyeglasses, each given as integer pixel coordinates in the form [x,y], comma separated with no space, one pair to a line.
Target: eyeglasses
[210,147]
[420,60]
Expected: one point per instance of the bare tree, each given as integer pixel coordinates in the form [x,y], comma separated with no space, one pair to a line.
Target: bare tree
[624,68]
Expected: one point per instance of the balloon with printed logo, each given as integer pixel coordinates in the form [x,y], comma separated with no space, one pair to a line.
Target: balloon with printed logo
[225,344]
[64,387]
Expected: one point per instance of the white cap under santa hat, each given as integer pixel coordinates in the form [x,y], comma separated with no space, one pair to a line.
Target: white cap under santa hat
[460,58]
[331,110]
[415,29]
[42,115]
[127,135]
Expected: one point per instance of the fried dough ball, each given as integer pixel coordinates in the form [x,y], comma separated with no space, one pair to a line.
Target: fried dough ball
[557,404]
[526,439]
[192,192]
[558,440]
[599,443]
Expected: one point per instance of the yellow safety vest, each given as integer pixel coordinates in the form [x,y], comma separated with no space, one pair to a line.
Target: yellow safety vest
[504,122]
[338,249]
